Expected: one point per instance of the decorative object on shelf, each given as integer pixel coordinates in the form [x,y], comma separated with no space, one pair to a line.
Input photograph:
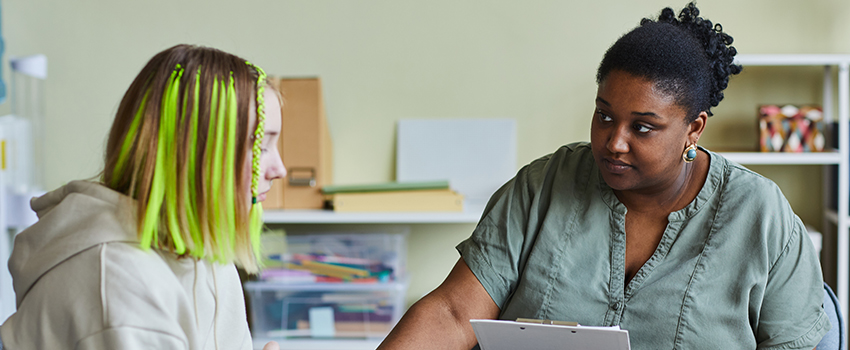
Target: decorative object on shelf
[305,146]
[791,128]
[423,196]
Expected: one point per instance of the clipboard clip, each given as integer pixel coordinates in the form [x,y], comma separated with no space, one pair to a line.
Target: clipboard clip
[558,323]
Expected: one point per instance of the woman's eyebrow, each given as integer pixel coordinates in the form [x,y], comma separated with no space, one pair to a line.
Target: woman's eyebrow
[642,114]
[601,100]
[647,114]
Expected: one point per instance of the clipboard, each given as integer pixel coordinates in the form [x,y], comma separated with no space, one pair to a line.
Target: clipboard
[511,335]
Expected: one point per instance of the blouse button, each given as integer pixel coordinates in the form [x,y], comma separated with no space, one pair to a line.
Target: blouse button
[617,305]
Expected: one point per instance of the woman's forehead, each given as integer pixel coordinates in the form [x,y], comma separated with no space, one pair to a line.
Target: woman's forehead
[622,86]
[637,95]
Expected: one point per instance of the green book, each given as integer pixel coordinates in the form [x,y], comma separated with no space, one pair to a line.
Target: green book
[387,187]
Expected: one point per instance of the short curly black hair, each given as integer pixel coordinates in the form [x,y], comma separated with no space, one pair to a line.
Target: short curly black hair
[687,57]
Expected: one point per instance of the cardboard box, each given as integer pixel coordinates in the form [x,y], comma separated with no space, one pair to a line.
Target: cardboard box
[305,146]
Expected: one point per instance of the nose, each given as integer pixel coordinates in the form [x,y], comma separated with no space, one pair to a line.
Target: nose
[618,141]
[277,170]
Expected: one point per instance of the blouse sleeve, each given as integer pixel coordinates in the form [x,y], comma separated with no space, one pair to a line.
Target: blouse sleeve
[496,250]
[792,314]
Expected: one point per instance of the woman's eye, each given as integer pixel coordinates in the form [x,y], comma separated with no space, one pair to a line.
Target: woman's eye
[603,117]
[642,128]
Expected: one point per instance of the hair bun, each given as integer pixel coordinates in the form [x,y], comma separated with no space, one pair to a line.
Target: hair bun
[717,45]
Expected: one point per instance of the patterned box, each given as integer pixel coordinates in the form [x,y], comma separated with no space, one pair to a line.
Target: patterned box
[791,128]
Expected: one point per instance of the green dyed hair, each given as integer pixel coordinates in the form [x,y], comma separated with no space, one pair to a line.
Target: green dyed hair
[180,146]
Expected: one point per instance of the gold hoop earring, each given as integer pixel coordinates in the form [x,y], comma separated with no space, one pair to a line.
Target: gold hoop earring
[690,153]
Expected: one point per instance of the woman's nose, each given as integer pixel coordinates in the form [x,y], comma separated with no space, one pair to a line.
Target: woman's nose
[277,170]
[618,141]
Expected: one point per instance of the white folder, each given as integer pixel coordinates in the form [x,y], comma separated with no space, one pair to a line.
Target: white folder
[510,335]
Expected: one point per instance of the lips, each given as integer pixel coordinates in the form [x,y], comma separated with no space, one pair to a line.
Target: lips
[261,197]
[615,166]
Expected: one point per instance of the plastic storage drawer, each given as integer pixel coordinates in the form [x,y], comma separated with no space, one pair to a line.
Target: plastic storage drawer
[385,251]
[284,311]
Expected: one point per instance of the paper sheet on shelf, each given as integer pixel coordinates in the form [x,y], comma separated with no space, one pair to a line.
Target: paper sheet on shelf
[477,156]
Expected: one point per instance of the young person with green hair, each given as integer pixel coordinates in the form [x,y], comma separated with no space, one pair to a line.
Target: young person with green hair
[144,258]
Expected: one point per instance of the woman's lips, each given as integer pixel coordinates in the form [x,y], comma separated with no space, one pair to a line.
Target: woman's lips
[615,166]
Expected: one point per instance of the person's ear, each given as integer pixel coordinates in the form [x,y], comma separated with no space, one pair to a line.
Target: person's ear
[696,127]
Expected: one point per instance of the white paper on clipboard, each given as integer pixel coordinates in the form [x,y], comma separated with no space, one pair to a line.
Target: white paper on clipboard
[510,335]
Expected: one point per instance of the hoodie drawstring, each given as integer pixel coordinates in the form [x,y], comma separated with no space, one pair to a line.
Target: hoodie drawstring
[215,316]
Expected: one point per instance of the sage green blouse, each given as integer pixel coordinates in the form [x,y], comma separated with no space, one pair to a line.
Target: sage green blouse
[735,269]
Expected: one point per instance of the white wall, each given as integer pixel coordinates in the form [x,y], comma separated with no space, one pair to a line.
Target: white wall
[385,60]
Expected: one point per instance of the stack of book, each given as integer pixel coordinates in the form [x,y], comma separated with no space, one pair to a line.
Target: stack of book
[431,196]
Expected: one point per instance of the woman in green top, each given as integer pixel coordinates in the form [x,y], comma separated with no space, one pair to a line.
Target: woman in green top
[639,228]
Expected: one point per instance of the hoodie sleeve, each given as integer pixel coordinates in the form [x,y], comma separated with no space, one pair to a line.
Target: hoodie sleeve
[131,338]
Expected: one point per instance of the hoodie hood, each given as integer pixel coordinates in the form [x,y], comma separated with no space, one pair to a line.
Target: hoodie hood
[72,218]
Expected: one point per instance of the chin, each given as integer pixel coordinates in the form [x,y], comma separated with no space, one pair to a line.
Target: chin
[617,182]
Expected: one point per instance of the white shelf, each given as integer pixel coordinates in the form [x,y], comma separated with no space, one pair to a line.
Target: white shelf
[831,215]
[470,215]
[780,158]
[792,60]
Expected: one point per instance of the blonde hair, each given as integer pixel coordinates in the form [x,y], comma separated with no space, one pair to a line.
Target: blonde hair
[178,146]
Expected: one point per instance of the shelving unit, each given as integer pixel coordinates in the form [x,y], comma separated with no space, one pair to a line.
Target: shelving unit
[471,214]
[841,157]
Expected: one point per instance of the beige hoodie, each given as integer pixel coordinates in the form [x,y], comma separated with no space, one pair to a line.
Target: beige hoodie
[82,282]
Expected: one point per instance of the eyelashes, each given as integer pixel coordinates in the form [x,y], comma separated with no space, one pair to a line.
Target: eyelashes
[639,127]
